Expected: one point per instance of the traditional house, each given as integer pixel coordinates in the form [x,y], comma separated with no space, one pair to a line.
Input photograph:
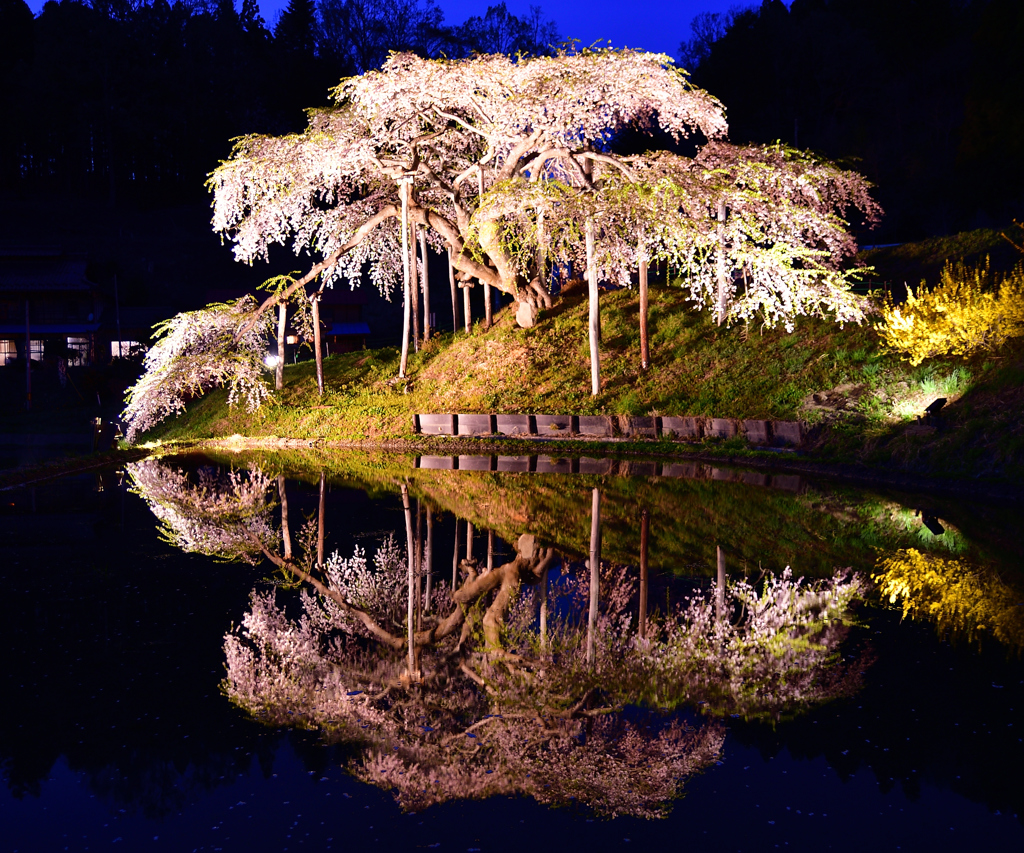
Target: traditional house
[47,301]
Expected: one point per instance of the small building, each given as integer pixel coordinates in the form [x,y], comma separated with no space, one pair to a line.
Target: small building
[343,326]
[47,299]
[342,319]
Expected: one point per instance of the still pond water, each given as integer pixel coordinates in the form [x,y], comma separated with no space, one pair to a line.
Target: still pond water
[215,654]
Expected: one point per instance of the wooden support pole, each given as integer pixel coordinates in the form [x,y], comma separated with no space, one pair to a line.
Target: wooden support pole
[317,347]
[645,350]
[455,300]
[406,311]
[414,290]
[282,325]
[594,320]
[426,285]
[722,268]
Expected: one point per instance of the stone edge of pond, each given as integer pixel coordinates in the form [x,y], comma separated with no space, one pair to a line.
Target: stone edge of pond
[786,461]
[792,461]
[34,474]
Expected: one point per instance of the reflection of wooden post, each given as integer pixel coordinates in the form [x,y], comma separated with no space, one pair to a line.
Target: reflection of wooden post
[428,558]
[419,561]
[720,586]
[490,550]
[544,611]
[286,535]
[595,574]
[410,546]
[320,520]
[645,525]
[455,559]
[469,540]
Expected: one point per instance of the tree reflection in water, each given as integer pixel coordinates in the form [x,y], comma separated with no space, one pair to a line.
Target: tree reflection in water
[961,598]
[528,678]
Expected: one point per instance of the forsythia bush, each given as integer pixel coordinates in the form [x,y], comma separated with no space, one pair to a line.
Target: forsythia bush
[969,310]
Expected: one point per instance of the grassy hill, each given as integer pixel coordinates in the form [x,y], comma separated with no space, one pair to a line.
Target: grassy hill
[861,402]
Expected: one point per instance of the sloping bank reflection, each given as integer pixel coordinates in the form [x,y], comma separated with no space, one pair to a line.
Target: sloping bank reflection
[541,676]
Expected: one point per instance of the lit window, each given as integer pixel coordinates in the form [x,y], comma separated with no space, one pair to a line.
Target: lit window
[8,352]
[78,351]
[124,349]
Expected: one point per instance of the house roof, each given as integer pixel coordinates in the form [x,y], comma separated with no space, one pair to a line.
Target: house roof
[347,329]
[8,329]
[40,269]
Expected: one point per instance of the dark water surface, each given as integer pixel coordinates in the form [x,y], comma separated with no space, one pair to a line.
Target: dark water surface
[118,728]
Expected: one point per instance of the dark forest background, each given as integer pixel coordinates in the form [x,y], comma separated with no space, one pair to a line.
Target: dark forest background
[114,112]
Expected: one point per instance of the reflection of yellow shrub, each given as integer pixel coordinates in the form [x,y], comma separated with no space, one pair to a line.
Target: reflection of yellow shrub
[960,598]
[971,309]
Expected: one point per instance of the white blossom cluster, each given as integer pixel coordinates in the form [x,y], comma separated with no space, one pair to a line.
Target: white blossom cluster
[510,158]
[197,351]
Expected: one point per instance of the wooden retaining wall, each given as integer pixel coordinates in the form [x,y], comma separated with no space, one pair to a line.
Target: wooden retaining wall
[540,464]
[758,433]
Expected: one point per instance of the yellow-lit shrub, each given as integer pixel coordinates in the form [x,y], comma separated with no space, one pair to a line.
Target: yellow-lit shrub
[971,309]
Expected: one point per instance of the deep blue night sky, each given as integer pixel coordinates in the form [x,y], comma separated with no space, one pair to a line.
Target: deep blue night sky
[658,25]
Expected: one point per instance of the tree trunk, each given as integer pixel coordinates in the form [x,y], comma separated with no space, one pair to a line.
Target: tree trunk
[317,346]
[404,185]
[595,356]
[426,285]
[595,575]
[455,301]
[722,269]
[645,527]
[282,324]
[645,351]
